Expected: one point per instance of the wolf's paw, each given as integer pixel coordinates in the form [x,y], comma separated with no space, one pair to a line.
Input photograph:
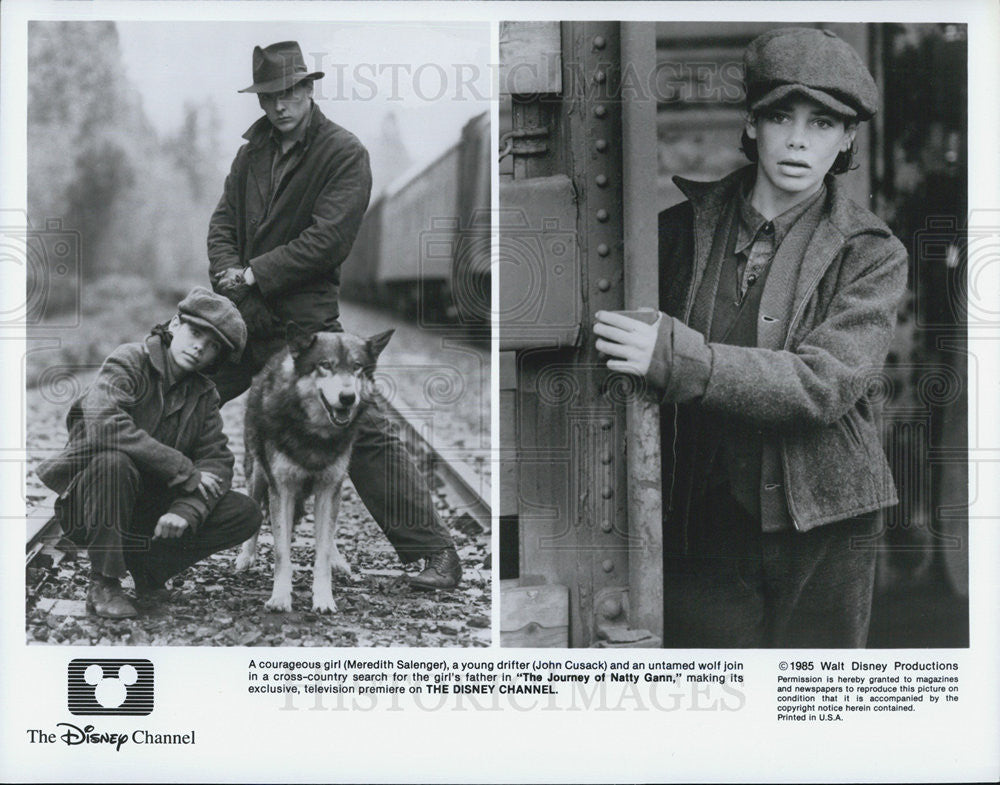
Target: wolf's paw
[340,565]
[324,605]
[343,569]
[279,602]
[244,561]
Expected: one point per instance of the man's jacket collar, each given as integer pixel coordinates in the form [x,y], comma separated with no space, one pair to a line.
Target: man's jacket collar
[709,199]
[259,134]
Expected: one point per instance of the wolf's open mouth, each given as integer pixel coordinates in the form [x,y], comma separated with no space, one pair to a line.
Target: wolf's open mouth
[339,415]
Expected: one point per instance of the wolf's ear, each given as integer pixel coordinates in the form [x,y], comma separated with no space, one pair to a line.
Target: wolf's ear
[299,340]
[377,343]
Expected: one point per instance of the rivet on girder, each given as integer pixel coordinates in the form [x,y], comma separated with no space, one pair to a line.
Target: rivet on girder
[600,77]
[601,180]
[602,215]
[604,284]
[607,565]
[600,110]
[607,493]
[601,145]
[599,42]
[603,250]
[606,526]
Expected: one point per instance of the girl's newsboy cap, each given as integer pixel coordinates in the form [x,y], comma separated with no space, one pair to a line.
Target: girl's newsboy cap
[218,315]
[812,62]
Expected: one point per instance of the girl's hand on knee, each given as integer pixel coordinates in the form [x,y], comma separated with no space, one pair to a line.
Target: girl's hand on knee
[169,526]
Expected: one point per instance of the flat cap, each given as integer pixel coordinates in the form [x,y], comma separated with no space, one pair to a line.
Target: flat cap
[217,314]
[816,63]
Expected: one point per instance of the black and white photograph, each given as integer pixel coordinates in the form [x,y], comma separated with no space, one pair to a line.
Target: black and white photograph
[258,334]
[734,406]
[437,391]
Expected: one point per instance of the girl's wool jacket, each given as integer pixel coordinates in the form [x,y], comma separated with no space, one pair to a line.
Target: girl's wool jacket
[824,328]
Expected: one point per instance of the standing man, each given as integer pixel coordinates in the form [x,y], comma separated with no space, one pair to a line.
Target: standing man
[290,210]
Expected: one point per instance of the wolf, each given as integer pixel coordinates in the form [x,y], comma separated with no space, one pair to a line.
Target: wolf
[299,428]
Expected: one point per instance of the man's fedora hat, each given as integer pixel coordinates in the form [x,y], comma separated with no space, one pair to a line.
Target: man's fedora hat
[277,67]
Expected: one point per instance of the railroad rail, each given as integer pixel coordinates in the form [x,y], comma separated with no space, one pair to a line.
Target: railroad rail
[466,492]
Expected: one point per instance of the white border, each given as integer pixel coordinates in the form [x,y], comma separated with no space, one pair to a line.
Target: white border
[250,740]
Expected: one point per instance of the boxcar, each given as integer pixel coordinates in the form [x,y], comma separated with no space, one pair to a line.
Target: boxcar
[423,248]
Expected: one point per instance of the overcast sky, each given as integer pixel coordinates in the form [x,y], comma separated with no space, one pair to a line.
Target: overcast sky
[434,76]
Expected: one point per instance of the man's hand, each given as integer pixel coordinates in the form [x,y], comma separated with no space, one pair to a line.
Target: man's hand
[628,342]
[169,526]
[231,280]
[209,485]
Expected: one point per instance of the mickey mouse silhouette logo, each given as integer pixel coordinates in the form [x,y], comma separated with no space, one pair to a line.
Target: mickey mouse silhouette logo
[110,693]
[110,686]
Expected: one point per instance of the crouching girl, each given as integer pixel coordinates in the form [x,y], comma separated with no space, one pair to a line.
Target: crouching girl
[144,480]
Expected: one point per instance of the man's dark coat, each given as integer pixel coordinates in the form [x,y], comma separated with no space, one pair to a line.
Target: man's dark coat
[295,240]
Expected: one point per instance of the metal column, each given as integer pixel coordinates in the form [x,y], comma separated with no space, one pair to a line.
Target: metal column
[645,498]
[571,423]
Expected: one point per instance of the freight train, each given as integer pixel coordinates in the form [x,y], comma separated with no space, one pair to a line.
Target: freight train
[423,249]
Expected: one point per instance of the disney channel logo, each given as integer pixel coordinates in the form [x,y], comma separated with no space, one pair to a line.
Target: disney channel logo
[74,736]
[110,686]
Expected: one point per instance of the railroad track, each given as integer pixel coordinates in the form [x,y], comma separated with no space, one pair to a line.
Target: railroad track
[466,492]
